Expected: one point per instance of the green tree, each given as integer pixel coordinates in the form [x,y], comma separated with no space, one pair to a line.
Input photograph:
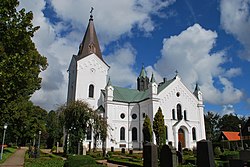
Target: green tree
[76,116]
[159,128]
[20,62]
[229,122]
[147,130]
[54,128]
[211,125]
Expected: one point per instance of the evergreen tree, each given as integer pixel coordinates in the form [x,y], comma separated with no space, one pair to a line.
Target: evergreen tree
[147,130]
[159,128]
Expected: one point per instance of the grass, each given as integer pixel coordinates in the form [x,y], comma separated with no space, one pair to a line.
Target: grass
[7,152]
[45,160]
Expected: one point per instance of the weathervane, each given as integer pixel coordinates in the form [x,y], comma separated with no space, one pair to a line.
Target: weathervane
[91,12]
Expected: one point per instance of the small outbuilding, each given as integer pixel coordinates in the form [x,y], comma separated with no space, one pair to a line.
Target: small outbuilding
[230,139]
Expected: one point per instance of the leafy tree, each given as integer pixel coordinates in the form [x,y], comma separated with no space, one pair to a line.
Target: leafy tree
[76,117]
[229,122]
[27,120]
[211,125]
[54,128]
[147,130]
[159,128]
[20,62]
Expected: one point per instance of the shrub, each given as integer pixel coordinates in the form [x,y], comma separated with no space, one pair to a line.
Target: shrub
[217,152]
[80,160]
[229,155]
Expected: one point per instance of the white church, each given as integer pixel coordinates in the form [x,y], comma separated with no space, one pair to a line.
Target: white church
[125,109]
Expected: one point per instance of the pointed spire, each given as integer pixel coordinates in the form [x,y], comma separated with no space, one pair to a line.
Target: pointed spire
[143,72]
[152,80]
[90,42]
[109,82]
[197,88]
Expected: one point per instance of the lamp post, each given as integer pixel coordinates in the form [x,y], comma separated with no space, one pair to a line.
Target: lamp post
[241,138]
[34,140]
[4,130]
[39,139]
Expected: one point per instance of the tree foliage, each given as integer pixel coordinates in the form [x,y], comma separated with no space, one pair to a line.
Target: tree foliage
[159,128]
[54,128]
[20,62]
[229,122]
[211,125]
[147,130]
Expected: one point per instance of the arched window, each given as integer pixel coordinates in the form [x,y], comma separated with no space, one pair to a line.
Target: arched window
[194,133]
[185,115]
[179,115]
[134,134]
[91,90]
[173,114]
[89,133]
[122,133]
[166,132]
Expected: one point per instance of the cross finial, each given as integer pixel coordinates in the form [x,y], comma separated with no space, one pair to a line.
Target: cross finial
[91,12]
[176,72]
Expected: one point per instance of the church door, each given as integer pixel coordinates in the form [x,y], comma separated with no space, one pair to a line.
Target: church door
[181,137]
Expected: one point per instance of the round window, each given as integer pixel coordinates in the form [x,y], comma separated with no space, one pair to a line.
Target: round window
[122,116]
[134,116]
[178,94]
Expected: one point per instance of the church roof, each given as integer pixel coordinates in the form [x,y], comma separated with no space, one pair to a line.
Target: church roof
[90,42]
[133,95]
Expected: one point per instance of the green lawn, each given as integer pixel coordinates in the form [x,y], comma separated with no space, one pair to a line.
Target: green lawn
[7,152]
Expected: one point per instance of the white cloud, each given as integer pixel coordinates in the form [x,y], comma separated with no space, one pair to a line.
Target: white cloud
[121,63]
[190,54]
[235,19]
[228,109]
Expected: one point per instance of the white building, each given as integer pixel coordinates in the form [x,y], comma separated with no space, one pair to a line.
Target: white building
[125,109]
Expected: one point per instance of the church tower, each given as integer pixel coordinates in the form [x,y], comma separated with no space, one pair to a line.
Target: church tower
[88,71]
[142,80]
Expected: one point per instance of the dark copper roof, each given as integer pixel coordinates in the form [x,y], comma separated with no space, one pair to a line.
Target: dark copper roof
[90,42]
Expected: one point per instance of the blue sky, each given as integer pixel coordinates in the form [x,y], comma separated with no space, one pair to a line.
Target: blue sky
[207,41]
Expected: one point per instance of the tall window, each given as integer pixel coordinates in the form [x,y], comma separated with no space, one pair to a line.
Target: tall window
[122,133]
[194,133]
[89,133]
[173,114]
[134,134]
[91,90]
[166,132]
[179,115]
[185,115]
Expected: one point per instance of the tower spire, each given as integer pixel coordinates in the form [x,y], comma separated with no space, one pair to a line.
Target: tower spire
[90,42]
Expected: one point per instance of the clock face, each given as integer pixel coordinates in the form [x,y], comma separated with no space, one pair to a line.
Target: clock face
[92,70]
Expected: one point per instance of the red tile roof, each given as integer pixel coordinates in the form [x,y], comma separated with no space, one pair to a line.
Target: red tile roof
[231,136]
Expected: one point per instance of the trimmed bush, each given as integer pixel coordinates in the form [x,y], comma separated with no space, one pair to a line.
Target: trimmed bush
[80,160]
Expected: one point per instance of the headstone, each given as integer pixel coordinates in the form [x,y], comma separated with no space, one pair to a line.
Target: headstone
[150,155]
[170,143]
[168,156]
[179,147]
[205,154]
[130,151]
[84,150]
[123,150]
[57,147]
[236,163]
[245,155]
[179,157]
[89,146]
[112,149]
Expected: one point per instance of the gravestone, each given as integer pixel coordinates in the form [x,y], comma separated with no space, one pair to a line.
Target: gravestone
[236,163]
[179,147]
[205,154]
[112,149]
[170,143]
[179,157]
[84,150]
[57,147]
[245,155]
[130,151]
[168,156]
[123,150]
[150,155]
